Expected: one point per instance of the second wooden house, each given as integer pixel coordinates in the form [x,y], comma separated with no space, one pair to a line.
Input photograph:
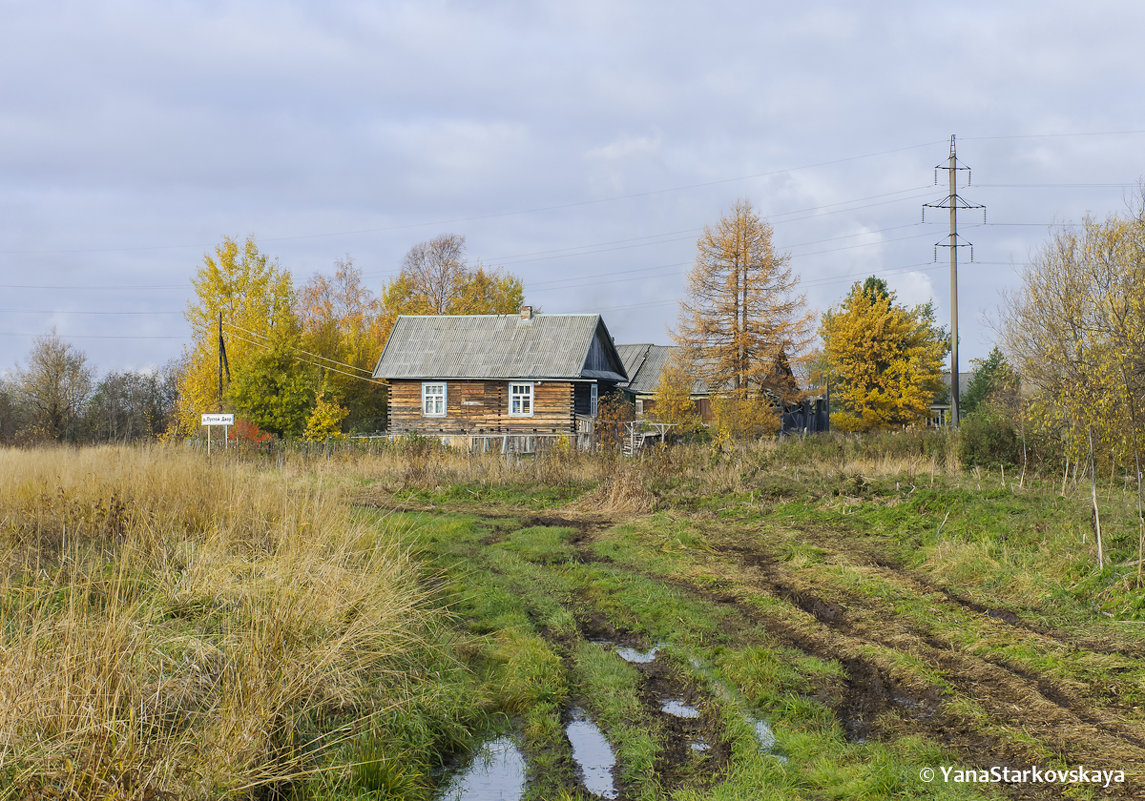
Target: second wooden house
[497,374]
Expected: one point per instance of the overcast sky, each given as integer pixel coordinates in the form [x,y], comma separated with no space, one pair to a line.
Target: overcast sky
[583,146]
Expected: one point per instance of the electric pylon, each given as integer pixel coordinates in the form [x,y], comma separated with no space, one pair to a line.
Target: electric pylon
[953,202]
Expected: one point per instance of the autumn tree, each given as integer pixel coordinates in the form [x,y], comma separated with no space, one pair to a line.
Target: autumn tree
[884,360]
[256,299]
[436,279]
[1076,332]
[325,421]
[672,399]
[342,326]
[743,318]
[53,387]
[11,411]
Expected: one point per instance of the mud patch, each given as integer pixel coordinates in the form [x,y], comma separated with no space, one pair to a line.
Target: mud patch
[693,743]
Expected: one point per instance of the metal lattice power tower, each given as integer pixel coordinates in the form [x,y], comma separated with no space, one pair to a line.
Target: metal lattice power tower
[953,202]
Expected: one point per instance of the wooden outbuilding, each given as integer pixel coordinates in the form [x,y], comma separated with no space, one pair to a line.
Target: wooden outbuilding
[498,374]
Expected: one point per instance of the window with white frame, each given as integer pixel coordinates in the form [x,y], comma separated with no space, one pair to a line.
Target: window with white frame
[593,400]
[433,399]
[521,399]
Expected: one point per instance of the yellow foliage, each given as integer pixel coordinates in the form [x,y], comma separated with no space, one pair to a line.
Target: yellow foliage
[435,279]
[255,298]
[743,319]
[342,321]
[1076,331]
[325,421]
[743,414]
[672,400]
[884,360]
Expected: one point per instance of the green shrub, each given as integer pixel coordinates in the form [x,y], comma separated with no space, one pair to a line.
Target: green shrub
[988,440]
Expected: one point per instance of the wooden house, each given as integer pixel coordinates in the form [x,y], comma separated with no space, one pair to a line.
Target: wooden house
[645,364]
[498,374]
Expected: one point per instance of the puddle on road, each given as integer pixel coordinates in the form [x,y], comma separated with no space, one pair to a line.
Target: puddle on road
[593,754]
[497,773]
[637,657]
[629,654]
[763,733]
[766,737]
[679,709]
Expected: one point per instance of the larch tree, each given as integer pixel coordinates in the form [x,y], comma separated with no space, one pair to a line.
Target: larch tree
[743,318]
[884,360]
[256,300]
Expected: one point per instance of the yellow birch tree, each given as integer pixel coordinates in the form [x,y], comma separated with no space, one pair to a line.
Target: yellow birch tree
[672,399]
[255,297]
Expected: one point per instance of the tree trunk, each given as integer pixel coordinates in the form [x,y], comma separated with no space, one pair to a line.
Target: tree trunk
[1096,514]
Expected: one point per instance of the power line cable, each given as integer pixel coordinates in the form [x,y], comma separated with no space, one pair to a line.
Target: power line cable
[300,350]
[495,215]
[269,347]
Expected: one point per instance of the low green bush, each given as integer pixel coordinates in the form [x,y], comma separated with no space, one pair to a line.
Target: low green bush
[988,440]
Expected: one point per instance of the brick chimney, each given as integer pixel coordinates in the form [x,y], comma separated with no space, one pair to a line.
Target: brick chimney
[526,314]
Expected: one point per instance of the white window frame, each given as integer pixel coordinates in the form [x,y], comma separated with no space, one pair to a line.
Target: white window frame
[516,393]
[593,399]
[428,409]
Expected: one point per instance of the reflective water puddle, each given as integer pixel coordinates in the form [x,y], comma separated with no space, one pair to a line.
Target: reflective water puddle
[637,657]
[766,737]
[593,754]
[679,709]
[497,773]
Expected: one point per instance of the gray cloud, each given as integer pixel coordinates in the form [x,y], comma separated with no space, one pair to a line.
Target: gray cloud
[582,145]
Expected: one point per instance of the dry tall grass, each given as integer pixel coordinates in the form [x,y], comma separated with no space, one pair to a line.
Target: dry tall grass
[170,629]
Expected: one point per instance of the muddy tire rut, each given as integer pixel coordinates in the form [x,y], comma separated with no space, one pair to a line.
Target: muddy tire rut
[1076,729]
[1070,728]
[1067,722]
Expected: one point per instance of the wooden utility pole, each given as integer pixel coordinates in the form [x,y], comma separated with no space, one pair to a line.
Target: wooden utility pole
[953,202]
[220,361]
[223,365]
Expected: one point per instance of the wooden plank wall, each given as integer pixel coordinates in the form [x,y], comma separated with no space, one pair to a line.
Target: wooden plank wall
[482,407]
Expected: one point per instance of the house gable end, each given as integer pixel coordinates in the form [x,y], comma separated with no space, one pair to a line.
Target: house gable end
[602,360]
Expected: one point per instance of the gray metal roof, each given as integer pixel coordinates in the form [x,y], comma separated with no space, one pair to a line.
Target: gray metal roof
[500,346]
[644,365]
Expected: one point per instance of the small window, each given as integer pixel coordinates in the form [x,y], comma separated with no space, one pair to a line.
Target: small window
[593,400]
[433,400]
[521,399]
[640,407]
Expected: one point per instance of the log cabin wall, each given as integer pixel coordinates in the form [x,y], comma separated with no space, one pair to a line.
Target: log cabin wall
[482,407]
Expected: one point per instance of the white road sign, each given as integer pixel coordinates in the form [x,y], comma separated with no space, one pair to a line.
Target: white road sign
[218,420]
